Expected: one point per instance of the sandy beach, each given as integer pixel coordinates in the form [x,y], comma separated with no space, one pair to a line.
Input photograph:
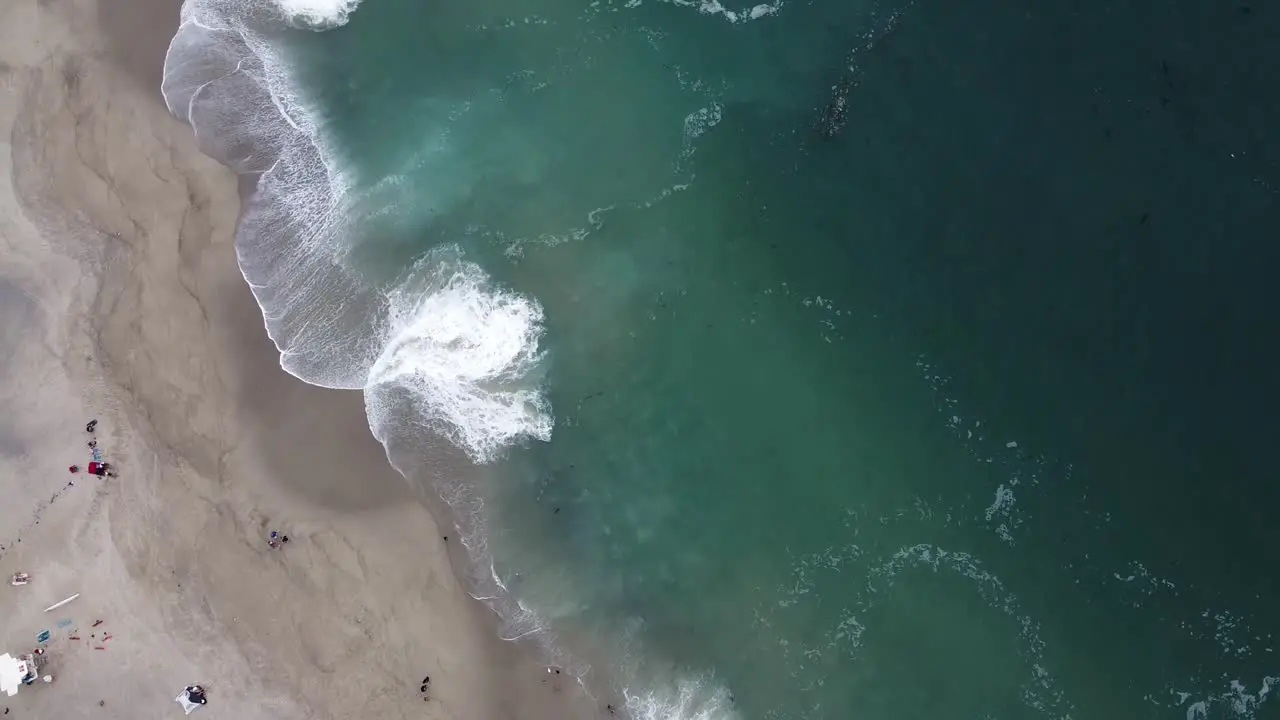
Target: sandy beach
[120,300]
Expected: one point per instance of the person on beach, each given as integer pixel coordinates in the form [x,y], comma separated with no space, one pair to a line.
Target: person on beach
[195,694]
[93,425]
[275,540]
[101,469]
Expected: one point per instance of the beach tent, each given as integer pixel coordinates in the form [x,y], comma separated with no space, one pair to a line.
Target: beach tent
[18,671]
[188,706]
[14,672]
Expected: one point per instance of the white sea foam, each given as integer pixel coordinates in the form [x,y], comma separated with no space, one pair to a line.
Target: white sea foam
[713,7]
[319,14]
[687,698]
[468,352]
[224,79]
[702,7]
[1236,702]
[852,565]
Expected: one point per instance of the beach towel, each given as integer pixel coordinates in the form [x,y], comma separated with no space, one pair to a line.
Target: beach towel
[187,705]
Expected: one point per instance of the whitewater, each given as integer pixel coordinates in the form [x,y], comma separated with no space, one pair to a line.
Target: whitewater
[439,348]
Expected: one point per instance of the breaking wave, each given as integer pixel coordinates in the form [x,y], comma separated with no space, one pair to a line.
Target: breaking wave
[463,347]
[468,352]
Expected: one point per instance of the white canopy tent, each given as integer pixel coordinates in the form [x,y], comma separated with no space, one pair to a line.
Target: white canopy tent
[18,671]
[12,672]
[188,705]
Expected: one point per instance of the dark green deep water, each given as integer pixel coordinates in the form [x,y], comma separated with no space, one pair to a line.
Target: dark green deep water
[961,404]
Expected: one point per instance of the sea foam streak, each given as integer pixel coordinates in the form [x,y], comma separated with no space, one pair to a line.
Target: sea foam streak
[468,351]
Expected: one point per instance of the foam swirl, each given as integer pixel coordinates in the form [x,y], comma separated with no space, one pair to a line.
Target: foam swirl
[468,352]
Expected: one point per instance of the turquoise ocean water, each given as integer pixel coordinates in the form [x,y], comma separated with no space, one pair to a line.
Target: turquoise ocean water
[798,360]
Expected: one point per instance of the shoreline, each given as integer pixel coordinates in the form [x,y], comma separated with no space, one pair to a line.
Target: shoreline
[120,299]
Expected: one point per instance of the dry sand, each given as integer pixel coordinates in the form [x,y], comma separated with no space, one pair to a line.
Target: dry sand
[120,300]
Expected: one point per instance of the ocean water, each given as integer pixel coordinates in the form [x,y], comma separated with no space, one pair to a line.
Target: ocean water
[796,360]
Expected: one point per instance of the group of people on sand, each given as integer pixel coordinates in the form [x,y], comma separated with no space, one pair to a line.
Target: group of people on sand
[277,539]
[96,466]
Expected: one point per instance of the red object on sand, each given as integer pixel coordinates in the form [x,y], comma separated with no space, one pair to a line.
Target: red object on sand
[96,467]
[74,468]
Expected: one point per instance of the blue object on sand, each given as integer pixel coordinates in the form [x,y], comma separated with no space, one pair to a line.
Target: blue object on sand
[43,636]
[64,622]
